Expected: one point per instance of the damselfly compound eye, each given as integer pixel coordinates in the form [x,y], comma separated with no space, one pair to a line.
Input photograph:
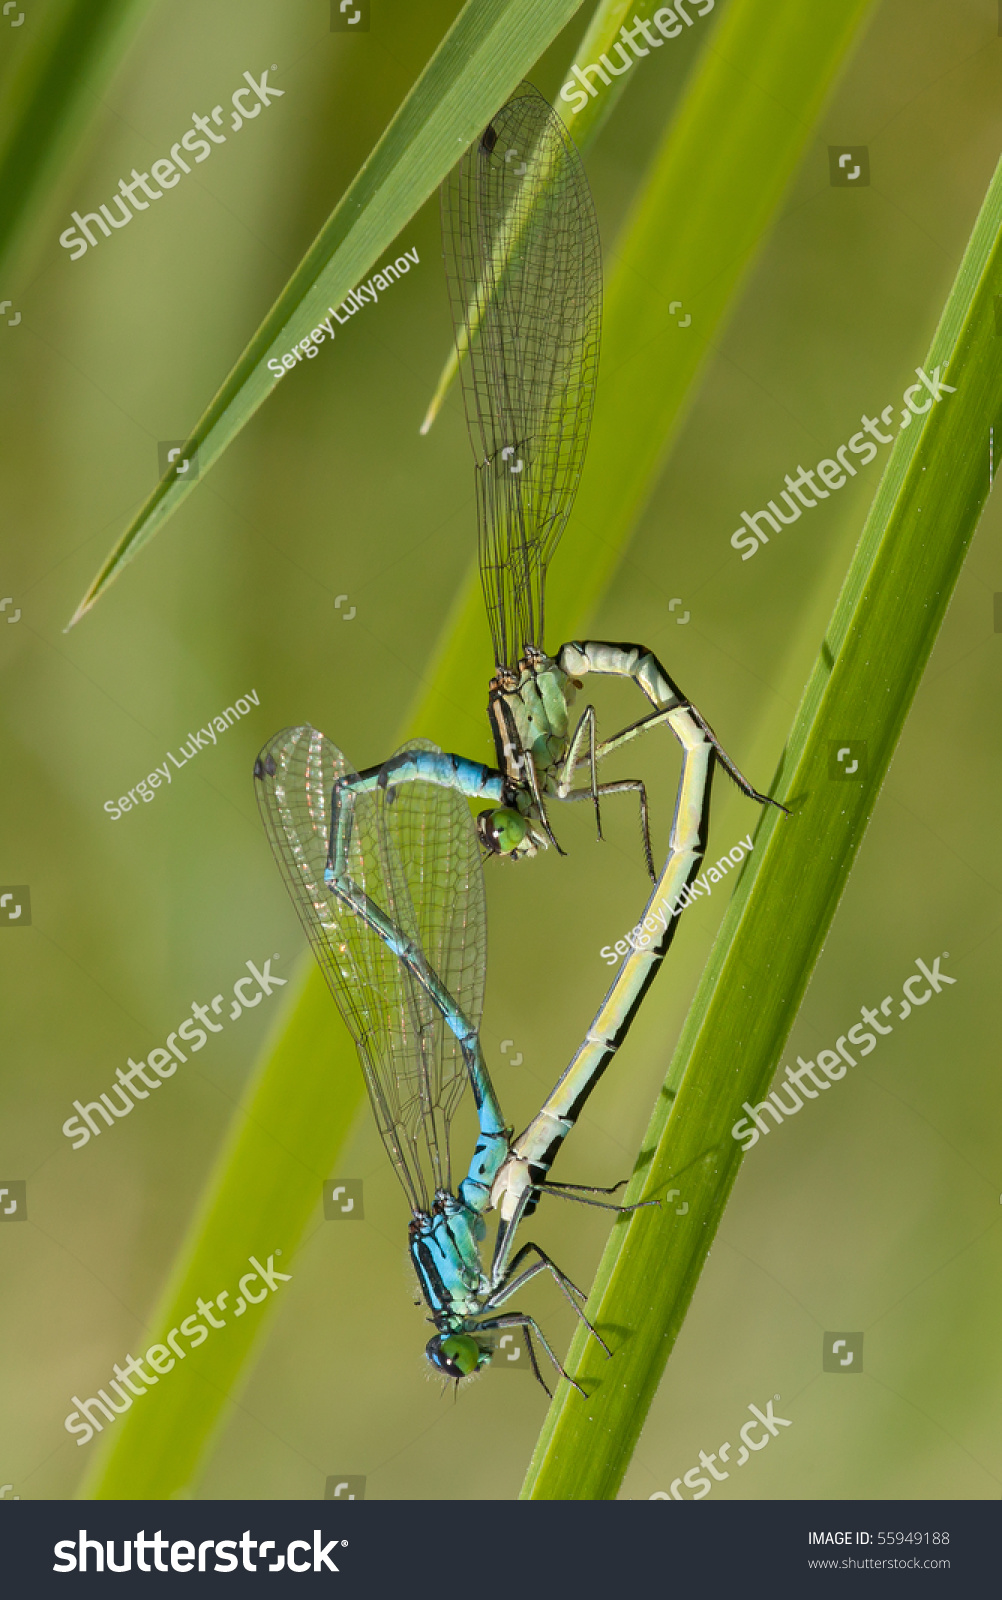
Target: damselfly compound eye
[502,831]
[455,1354]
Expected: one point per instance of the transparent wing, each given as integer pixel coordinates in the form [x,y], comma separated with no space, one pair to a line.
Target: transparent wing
[524,267]
[432,866]
[419,863]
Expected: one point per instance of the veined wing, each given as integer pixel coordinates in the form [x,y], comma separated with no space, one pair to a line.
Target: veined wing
[413,1069]
[432,866]
[525,276]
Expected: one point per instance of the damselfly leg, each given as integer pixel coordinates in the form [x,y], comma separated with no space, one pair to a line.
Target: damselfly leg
[581,1194]
[529,1326]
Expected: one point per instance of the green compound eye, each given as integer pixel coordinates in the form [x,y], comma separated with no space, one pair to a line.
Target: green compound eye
[457,1354]
[503,830]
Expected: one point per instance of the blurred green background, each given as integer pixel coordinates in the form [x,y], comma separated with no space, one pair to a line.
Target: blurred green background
[877,1210]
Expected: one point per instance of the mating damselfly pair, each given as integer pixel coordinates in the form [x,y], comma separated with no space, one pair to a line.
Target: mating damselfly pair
[385,865]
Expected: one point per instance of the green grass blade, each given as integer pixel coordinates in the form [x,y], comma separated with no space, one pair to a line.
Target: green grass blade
[298,1111]
[881,633]
[449,708]
[67,53]
[489,48]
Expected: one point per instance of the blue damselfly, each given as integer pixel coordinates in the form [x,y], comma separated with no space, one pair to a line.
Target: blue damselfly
[402,945]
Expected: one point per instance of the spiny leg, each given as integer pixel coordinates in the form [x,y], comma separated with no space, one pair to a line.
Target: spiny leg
[537,796]
[598,753]
[626,735]
[733,772]
[561,1192]
[587,1188]
[534,1364]
[512,1284]
[579,657]
[617,742]
[672,707]
[520,1319]
[624,786]
[586,726]
[652,679]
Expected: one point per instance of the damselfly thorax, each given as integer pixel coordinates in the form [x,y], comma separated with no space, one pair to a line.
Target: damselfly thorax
[528,707]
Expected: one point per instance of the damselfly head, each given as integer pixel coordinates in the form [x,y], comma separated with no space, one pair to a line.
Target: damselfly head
[504,681]
[504,831]
[456,1355]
